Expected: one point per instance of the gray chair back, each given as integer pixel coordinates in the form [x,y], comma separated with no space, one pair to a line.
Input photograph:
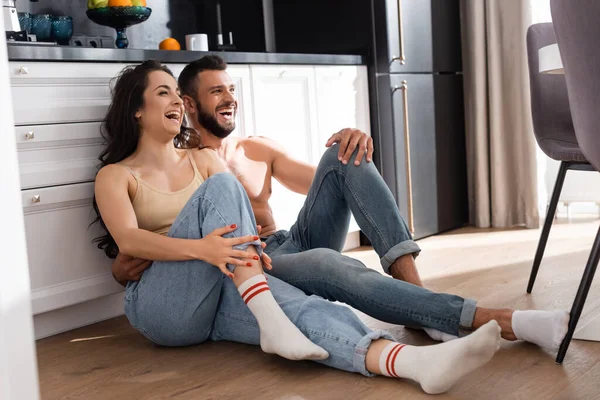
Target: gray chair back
[552,122]
[577,28]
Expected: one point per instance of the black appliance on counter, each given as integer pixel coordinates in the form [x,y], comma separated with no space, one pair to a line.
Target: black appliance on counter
[413,48]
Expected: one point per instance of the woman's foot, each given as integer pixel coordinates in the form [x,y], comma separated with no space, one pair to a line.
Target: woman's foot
[278,335]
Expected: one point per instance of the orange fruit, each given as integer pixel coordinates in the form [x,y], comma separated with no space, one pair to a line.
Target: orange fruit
[169,44]
[119,3]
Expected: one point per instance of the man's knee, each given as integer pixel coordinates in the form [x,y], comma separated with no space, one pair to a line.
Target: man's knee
[330,157]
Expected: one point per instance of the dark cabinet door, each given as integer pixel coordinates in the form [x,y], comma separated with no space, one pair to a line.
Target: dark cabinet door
[430,178]
[416,169]
[419,36]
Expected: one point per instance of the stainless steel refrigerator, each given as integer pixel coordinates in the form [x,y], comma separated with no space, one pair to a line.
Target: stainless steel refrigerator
[413,52]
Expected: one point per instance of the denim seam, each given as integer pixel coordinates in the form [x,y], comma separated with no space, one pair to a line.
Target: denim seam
[197,199]
[352,190]
[411,314]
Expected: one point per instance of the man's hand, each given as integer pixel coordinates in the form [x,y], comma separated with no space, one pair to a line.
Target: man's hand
[347,140]
[126,268]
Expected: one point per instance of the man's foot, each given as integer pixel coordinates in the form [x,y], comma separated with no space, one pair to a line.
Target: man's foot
[278,335]
[544,328]
[437,368]
[405,269]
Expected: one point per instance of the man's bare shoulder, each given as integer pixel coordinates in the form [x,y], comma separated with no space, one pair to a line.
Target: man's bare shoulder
[260,144]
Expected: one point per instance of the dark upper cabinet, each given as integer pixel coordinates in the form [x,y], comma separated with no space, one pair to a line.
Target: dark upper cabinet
[417,36]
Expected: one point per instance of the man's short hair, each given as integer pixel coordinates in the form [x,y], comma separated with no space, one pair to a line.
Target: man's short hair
[188,77]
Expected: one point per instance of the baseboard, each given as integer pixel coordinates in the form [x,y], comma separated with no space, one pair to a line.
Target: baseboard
[78,315]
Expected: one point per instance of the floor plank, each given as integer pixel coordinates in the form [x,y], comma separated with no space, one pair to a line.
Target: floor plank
[110,360]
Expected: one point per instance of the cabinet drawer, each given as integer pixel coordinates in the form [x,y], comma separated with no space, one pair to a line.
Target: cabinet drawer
[58,154]
[22,72]
[60,92]
[65,267]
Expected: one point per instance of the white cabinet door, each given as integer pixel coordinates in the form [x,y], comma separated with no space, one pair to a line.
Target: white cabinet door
[343,100]
[65,267]
[243,88]
[284,101]
[47,92]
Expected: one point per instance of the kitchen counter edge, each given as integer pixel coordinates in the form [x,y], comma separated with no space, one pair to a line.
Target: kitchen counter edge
[18,52]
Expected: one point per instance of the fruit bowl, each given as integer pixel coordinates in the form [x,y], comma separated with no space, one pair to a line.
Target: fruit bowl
[119,18]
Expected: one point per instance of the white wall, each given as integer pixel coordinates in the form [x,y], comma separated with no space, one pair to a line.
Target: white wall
[18,365]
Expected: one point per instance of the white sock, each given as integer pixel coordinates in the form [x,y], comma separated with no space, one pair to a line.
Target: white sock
[436,368]
[438,335]
[544,328]
[278,335]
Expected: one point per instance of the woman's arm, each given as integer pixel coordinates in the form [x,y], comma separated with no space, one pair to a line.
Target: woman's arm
[111,189]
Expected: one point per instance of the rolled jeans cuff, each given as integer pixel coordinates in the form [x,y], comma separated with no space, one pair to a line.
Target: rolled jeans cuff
[466,317]
[402,248]
[243,247]
[360,351]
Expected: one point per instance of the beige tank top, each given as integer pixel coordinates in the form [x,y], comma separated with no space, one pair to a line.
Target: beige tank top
[155,210]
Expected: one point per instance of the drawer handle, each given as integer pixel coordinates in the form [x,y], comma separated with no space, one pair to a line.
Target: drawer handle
[30,135]
[36,199]
[23,71]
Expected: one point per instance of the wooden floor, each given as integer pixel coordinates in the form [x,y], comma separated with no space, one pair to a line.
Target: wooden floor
[110,360]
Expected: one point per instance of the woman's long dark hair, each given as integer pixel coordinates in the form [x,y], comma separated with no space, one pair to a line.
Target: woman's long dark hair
[121,130]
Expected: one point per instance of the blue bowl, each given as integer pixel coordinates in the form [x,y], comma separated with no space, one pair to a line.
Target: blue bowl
[25,21]
[62,29]
[41,27]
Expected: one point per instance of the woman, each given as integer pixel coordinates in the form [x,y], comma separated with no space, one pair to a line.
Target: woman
[161,197]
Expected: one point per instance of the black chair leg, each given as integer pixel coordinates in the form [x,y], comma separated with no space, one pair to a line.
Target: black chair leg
[560,179]
[579,302]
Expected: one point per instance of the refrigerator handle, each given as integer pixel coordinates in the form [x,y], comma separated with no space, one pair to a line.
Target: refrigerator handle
[401,57]
[409,191]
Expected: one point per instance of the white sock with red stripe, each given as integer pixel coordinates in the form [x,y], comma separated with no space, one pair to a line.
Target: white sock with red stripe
[278,335]
[440,366]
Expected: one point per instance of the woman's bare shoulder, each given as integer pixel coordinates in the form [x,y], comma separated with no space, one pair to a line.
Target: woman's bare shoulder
[208,161]
[112,175]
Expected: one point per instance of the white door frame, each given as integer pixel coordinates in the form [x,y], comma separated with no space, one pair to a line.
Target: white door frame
[18,363]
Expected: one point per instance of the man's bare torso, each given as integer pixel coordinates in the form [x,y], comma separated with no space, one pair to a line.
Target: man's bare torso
[251,162]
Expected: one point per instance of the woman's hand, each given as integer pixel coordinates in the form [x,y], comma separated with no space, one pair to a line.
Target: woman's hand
[219,251]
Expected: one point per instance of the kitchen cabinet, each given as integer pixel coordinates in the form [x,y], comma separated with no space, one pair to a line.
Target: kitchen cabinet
[47,93]
[300,108]
[414,40]
[419,35]
[427,175]
[65,267]
[58,111]
[58,154]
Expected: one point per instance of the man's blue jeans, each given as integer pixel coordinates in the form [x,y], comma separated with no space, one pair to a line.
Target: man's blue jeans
[308,257]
